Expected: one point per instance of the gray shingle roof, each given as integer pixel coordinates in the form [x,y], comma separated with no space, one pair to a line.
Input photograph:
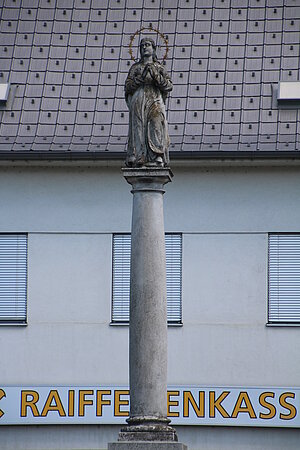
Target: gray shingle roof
[67,61]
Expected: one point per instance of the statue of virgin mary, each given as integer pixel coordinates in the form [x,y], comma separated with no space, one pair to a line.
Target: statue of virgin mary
[146,89]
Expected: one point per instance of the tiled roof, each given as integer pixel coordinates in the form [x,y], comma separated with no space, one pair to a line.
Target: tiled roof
[67,61]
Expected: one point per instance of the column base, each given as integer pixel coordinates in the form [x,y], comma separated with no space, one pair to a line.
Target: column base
[148,435]
[154,445]
[148,428]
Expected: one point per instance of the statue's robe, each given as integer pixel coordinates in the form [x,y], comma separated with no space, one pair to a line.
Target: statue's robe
[148,136]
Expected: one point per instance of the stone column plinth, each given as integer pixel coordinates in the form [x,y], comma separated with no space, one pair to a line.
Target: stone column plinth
[143,445]
[148,420]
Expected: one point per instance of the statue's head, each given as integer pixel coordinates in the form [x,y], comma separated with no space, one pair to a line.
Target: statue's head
[148,48]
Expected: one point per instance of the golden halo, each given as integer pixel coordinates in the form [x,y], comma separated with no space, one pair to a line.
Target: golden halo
[149,29]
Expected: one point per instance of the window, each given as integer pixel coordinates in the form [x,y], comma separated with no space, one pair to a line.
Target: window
[121,277]
[284,278]
[13,278]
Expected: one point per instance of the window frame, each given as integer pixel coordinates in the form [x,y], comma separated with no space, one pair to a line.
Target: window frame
[174,323]
[280,320]
[21,260]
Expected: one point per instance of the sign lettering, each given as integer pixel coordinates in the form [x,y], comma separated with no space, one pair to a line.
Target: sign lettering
[276,407]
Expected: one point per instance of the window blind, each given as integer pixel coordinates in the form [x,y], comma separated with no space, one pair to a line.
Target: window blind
[121,277]
[284,278]
[13,278]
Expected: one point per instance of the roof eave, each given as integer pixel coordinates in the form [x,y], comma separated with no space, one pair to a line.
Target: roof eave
[119,156]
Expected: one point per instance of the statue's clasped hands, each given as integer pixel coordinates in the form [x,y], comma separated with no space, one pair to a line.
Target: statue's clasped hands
[151,70]
[149,75]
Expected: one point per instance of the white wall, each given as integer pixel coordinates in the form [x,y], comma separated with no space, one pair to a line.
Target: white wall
[225,215]
[240,199]
[198,200]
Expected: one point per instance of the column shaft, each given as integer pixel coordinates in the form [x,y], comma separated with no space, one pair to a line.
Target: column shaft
[148,307]
[148,427]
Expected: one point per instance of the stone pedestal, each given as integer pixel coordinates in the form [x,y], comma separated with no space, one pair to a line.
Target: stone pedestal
[155,445]
[148,425]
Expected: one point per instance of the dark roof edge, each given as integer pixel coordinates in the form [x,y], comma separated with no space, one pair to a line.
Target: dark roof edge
[240,155]
[119,156]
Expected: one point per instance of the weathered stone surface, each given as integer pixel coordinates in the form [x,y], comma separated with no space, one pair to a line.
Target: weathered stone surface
[149,435]
[148,299]
[155,445]
[148,429]
[148,426]
[146,88]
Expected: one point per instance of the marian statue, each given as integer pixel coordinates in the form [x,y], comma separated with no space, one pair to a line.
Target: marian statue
[146,89]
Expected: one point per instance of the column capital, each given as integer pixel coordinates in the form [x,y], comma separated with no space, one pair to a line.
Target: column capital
[148,178]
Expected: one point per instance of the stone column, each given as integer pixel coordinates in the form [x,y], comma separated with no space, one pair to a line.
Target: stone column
[148,425]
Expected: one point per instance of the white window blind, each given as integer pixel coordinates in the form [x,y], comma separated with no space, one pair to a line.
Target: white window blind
[121,277]
[284,278]
[13,278]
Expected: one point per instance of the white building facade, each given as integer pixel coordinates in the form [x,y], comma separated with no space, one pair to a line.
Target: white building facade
[69,215]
